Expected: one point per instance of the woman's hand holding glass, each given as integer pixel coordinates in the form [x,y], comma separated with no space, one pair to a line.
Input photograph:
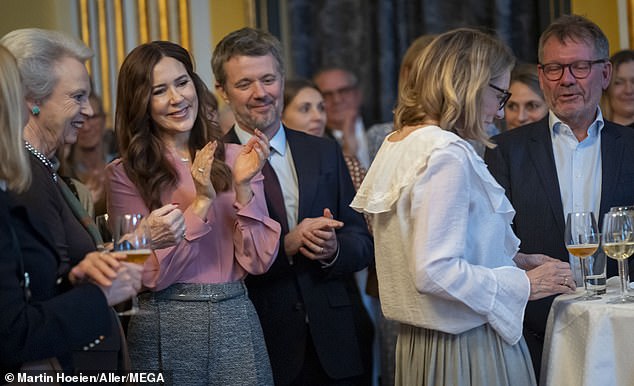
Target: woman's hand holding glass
[618,243]
[118,280]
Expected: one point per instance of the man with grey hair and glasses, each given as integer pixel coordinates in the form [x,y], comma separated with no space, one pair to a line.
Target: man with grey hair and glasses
[572,160]
[343,98]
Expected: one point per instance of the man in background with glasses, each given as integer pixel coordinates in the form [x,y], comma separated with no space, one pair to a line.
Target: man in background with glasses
[572,160]
[342,98]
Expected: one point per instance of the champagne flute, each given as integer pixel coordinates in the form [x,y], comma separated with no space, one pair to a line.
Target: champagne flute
[630,210]
[618,243]
[132,237]
[106,234]
[582,240]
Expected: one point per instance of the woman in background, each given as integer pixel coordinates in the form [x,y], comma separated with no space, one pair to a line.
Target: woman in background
[446,255]
[618,100]
[40,319]
[201,325]
[304,110]
[304,107]
[87,158]
[526,104]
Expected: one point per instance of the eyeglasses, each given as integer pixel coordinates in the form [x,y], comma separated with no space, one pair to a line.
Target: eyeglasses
[579,69]
[502,99]
[343,91]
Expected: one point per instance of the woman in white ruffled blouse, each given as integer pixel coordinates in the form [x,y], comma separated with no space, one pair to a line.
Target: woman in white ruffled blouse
[447,259]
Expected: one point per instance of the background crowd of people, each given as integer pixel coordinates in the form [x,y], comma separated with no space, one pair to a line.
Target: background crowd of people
[290,245]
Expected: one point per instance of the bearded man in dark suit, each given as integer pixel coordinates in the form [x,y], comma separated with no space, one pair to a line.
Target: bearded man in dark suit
[306,303]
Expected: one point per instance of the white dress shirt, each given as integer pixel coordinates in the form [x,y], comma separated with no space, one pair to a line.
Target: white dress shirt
[578,171]
[281,161]
[363,150]
[443,240]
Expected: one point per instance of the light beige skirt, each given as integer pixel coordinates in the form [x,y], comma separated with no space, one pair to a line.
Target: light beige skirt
[478,357]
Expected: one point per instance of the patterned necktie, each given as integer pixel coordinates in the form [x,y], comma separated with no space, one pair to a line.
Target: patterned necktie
[274,197]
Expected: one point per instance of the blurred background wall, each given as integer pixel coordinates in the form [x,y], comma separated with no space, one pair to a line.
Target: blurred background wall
[368,36]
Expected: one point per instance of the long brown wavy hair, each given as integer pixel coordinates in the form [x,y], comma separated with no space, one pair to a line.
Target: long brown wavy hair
[141,148]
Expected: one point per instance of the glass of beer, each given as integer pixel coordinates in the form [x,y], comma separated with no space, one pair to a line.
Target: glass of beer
[582,240]
[132,237]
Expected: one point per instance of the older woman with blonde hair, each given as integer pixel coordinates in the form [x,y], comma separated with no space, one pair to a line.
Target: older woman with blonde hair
[447,259]
[15,172]
[41,319]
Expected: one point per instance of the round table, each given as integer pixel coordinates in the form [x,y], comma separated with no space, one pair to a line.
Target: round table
[589,342]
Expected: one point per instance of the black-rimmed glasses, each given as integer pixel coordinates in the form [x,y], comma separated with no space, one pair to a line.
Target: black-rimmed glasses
[502,99]
[343,91]
[580,69]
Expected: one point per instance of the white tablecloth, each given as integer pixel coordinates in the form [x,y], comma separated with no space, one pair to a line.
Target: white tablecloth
[589,343]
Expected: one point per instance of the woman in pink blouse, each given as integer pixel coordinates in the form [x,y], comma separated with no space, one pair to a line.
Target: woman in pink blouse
[205,205]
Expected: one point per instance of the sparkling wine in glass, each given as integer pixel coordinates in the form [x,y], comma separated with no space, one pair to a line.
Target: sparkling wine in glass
[618,243]
[582,240]
[630,210]
[132,237]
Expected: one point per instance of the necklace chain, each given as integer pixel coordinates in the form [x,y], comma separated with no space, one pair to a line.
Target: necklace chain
[42,158]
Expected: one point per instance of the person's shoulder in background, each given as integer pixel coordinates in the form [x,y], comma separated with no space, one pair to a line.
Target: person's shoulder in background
[376,134]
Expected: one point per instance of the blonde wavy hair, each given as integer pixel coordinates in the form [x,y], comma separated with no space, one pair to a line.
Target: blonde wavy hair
[14,163]
[446,82]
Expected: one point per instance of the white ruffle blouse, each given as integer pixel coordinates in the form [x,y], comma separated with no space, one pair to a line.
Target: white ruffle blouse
[444,245]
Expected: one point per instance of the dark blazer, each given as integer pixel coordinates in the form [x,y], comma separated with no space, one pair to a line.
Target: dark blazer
[54,322]
[523,163]
[289,295]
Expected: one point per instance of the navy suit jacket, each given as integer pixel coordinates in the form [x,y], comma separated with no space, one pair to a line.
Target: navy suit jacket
[288,295]
[523,163]
[54,322]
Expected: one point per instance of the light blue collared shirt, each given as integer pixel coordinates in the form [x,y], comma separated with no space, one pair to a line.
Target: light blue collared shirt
[578,170]
[281,161]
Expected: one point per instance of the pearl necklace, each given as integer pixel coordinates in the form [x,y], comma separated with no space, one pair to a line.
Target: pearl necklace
[42,159]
